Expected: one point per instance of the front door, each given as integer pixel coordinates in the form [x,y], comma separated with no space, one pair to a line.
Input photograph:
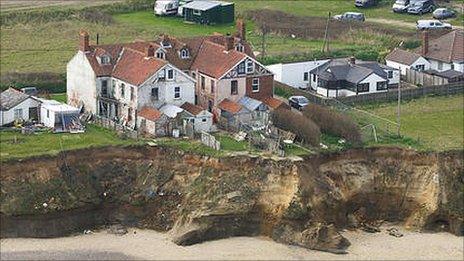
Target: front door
[33,115]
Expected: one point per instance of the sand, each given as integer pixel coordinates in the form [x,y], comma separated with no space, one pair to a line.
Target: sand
[147,244]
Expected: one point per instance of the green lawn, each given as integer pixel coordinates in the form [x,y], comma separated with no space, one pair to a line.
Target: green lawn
[230,144]
[61,97]
[17,145]
[435,122]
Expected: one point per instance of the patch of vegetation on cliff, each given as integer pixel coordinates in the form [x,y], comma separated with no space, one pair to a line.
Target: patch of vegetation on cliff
[16,145]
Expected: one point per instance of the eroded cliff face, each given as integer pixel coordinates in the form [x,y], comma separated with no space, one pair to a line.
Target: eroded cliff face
[199,198]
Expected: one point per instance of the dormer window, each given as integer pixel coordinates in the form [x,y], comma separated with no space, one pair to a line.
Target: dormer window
[239,47]
[160,55]
[104,59]
[165,44]
[184,54]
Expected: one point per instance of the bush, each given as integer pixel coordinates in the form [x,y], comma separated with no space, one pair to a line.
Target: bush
[304,128]
[334,123]
[46,81]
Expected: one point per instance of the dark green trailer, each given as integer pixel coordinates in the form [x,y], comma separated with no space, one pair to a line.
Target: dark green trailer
[209,12]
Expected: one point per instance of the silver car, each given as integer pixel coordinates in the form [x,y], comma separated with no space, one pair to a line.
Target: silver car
[350,16]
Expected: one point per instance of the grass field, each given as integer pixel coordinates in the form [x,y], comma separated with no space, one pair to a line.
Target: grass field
[436,123]
[17,145]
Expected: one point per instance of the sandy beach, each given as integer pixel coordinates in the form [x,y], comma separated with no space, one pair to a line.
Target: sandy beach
[147,244]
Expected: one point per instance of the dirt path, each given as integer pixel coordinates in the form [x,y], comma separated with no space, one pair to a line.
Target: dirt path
[400,23]
[146,244]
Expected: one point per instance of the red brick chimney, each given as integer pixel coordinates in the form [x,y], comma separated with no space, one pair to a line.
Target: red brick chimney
[241,29]
[150,51]
[229,43]
[84,41]
[425,42]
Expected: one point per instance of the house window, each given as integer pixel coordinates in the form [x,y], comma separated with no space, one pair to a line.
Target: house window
[363,87]
[202,82]
[113,84]
[155,93]
[48,113]
[239,48]
[381,86]
[176,92]
[104,90]
[196,12]
[212,86]
[234,87]
[420,67]
[314,77]
[170,74]
[132,95]
[18,114]
[255,85]
[194,75]
[203,120]
[184,54]
[162,75]
[241,68]
[440,66]
[105,59]
[160,55]
[122,90]
[305,76]
[452,66]
[390,74]
[250,66]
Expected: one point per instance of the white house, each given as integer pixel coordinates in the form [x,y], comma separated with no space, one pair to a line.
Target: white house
[294,74]
[59,116]
[115,81]
[402,60]
[445,52]
[346,77]
[16,105]
[201,119]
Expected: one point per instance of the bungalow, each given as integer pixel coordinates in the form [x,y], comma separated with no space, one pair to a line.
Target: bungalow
[403,60]
[201,119]
[445,52]
[208,12]
[342,77]
[294,74]
[17,106]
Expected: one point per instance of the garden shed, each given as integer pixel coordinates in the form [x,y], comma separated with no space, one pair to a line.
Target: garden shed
[209,12]
[59,116]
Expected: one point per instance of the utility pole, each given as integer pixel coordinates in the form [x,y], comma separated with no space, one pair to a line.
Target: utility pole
[326,34]
[263,40]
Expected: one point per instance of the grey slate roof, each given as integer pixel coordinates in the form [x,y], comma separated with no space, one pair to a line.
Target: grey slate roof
[341,69]
[250,103]
[202,5]
[448,74]
[10,98]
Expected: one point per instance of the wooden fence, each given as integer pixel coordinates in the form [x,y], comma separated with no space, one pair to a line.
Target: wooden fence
[210,141]
[120,129]
[391,95]
[424,79]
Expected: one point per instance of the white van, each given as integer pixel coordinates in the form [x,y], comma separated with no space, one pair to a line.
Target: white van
[166,7]
[432,24]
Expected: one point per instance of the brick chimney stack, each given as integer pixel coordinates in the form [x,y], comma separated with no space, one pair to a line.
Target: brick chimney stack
[352,60]
[84,41]
[241,29]
[150,51]
[229,43]
[425,42]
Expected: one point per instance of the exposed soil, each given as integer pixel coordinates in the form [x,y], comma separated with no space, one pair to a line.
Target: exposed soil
[199,198]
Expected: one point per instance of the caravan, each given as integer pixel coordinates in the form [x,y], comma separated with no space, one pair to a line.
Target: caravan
[166,7]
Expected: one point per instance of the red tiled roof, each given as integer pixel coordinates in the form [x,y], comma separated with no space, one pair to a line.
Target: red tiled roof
[192,108]
[402,56]
[274,103]
[149,113]
[447,48]
[214,61]
[229,106]
[133,67]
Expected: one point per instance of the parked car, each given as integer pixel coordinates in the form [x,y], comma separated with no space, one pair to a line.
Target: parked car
[350,16]
[364,3]
[401,6]
[443,13]
[30,90]
[421,7]
[166,7]
[432,24]
[298,102]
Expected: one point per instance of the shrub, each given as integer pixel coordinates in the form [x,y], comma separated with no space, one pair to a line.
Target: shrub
[46,81]
[304,128]
[334,123]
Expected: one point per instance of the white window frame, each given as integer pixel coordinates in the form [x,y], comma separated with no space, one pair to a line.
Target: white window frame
[122,90]
[250,66]
[184,54]
[168,72]
[196,12]
[160,55]
[105,59]
[18,114]
[254,85]
[239,48]
[177,92]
